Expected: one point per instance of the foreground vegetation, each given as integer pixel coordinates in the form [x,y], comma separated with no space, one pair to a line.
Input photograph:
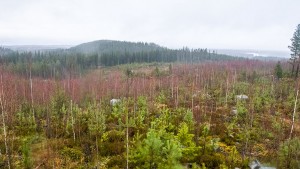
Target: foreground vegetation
[183,109]
[169,116]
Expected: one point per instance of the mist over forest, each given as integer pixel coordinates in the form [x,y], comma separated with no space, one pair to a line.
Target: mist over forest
[57,63]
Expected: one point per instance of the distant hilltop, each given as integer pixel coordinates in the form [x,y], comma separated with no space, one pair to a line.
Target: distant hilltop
[104,46]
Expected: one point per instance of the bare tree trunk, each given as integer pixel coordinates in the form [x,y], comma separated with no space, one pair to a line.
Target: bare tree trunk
[97,150]
[193,96]
[74,136]
[127,146]
[177,97]
[297,71]
[293,68]
[226,97]
[172,87]
[4,124]
[31,89]
[293,120]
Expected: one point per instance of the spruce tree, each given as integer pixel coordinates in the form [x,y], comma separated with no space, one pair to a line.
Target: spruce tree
[278,71]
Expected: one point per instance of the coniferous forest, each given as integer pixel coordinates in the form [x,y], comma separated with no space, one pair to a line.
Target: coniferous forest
[113,104]
[77,60]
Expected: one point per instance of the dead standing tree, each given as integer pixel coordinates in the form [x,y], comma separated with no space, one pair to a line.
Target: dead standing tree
[3,113]
[31,88]
[294,112]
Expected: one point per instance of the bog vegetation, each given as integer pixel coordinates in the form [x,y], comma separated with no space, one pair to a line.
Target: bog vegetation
[176,109]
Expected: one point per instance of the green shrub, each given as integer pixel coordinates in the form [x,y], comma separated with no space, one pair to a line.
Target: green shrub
[289,154]
[73,154]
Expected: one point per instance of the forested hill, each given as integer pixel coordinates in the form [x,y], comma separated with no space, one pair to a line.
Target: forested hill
[57,63]
[120,52]
[108,46]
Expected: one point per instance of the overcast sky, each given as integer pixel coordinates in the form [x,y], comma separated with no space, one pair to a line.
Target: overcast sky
[226,24]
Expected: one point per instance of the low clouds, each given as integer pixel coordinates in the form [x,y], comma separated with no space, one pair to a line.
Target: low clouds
[234,24]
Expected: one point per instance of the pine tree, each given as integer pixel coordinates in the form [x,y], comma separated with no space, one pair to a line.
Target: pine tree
[295,49]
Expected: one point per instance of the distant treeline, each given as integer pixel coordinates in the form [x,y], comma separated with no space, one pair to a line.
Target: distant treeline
[165,55]
[55,64]
[72,62]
